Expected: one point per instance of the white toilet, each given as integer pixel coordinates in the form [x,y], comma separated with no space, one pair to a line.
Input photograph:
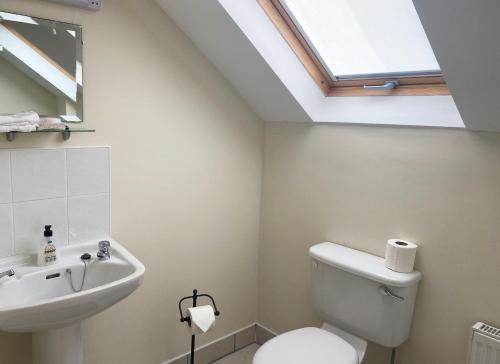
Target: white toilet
[359,298]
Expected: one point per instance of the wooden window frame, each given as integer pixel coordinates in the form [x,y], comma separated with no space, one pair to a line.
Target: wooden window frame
[409,86]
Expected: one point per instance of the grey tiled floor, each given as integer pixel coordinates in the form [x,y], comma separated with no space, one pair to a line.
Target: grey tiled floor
[243,356]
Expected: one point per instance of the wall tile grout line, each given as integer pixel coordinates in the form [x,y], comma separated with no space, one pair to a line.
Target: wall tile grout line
[13,227]
[38,199]
[67,197]
[11,187]
[42,199]
[109,190]
[88,195]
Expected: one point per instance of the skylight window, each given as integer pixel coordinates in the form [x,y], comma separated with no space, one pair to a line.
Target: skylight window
[371,47]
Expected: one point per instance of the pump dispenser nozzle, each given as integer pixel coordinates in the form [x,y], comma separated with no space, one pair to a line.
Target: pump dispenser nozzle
[48,231]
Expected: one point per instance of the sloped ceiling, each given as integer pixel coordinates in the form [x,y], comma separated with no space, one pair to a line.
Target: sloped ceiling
[463,33]
[465,36]
[212,30]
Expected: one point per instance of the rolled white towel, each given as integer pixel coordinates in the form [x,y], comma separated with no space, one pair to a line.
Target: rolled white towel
[30,118]
[26,128]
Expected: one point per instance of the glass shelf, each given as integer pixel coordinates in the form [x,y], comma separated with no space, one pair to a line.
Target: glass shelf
[66,134]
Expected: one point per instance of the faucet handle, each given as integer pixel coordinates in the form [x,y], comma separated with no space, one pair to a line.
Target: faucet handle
[103,253]
[104,245]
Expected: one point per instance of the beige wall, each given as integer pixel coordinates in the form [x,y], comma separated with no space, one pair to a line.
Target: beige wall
[186,172]
[361,185]
[186,177]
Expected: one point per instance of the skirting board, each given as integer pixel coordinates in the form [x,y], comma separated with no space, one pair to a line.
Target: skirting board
[228,344]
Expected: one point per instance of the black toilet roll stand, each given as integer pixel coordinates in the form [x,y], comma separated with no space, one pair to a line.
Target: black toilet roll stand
[187,319]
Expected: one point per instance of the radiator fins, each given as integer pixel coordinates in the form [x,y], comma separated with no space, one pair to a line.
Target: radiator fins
[484,346]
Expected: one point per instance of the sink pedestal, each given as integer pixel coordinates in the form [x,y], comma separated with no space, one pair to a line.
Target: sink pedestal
[58,346]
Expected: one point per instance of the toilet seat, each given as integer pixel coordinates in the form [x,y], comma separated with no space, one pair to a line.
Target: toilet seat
[309,345]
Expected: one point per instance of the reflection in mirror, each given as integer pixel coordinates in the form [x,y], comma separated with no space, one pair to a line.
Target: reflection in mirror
[40,67]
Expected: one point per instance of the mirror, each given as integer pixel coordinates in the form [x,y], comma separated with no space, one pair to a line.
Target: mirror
[40,67]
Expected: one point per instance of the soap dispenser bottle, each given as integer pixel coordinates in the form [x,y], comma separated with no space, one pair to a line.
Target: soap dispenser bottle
[48,253]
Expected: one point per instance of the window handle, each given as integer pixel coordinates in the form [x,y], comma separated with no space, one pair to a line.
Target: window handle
[388,85]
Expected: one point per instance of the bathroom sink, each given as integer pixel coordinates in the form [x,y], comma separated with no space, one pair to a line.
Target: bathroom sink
[41,298]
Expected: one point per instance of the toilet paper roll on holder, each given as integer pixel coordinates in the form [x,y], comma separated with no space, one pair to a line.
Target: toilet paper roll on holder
[187,319]
[195,297]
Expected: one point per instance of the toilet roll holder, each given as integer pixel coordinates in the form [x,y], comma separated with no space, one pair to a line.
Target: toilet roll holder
[187,319]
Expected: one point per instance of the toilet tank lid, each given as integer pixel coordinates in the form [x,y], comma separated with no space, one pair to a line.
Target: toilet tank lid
[362,264]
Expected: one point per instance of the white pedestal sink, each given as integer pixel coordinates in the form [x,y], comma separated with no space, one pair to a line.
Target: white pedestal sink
[41,300]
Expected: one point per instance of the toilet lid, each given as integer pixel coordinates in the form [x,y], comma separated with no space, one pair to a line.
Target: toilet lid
[306,346]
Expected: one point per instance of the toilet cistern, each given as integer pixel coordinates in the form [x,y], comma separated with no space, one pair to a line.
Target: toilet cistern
[359,300]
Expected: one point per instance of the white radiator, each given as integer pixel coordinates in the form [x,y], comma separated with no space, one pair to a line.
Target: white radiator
[484,346]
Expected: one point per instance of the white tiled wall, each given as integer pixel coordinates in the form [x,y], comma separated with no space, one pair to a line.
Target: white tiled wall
[65,188]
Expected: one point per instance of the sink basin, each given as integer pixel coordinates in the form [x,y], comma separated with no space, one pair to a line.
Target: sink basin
[42,299]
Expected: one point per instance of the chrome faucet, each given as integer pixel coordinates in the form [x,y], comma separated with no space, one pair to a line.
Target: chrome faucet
[104,251]
[7,273]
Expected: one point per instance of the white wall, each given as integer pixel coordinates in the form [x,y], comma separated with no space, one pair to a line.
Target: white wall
[185,178]
[362,185]
[214,32]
